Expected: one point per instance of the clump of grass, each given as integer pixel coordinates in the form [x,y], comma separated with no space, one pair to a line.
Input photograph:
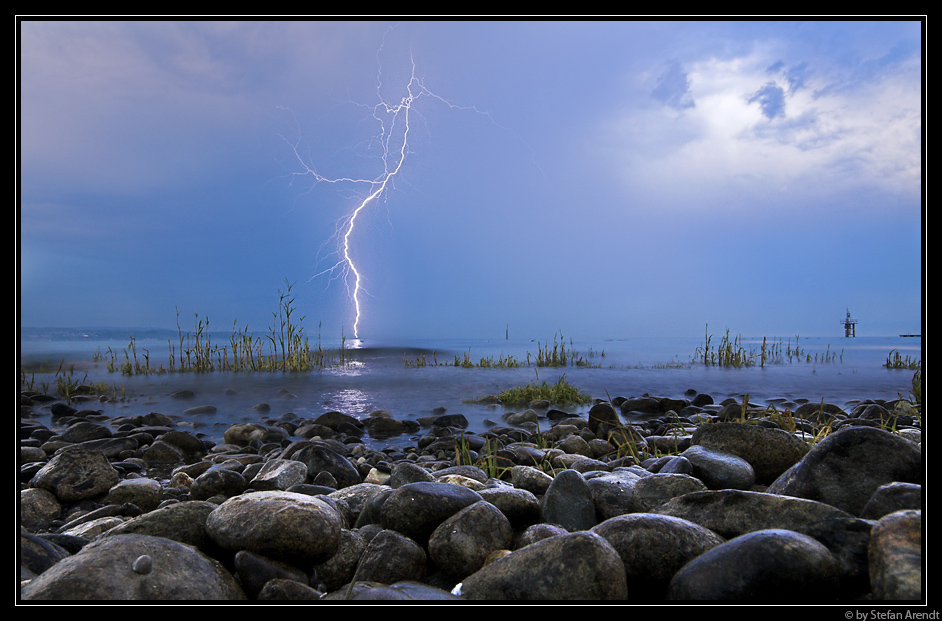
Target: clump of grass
[785,420]
[559,393]
[465,361]
[559,356]
[502,362]
[895,360]
[68,386]
[488,461]
[729,353]
[420,361]
[626,445]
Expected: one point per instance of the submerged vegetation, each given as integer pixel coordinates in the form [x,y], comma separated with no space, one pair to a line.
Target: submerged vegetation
[730,352]
[558,356]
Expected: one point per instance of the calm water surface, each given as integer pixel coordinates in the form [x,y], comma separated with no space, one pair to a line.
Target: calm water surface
[379,379]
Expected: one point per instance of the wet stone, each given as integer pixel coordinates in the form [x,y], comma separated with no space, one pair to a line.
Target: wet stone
[568,502]
[299,509]
[769,566]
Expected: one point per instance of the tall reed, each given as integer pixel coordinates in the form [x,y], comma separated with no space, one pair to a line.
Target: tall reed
[285,347]
[731,352]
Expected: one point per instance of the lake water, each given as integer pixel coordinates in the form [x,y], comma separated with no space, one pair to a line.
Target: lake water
[379,379]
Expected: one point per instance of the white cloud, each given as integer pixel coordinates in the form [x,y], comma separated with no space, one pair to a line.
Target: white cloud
[755,125]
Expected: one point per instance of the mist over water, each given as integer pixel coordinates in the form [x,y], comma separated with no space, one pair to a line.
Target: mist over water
[379,378]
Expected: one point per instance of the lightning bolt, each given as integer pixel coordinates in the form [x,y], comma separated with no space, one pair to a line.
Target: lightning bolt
[393,138]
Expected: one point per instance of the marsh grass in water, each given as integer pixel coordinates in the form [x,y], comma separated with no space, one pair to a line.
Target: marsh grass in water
[557,356]
[732,353]
[285,347]
[559,393]
[895,360]
[70,388]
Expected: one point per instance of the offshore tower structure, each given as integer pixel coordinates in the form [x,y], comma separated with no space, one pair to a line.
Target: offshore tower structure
[849,325]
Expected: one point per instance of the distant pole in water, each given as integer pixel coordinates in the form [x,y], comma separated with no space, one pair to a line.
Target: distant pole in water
[507,333]
[849,329]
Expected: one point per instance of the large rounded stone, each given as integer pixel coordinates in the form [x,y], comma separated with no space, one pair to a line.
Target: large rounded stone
[846,468]
[731,513]
[319,458]
[381,427]
[522,508]
[768,566]
[653,491]
[186,442]
[135,567]
[390,557]
[217,481]
[603,414]
[160,452]
[530,479]
[408,472]
[335,419]
[254,571]
[358,497]
[83,430]
[573,566]
[339,569]
[38,554]
[38,507]
[283,525]
[184,522]
[143,492]
[404,590]
[536,532]
[892,497]
[719,470]
[76,473]
[613,493]
[568,502]
[93,528]
[630,408]
[653,548]
[848,539]
[416,509]
[242,434]
[769,451]
[461,543]
[895,556]
[279,474]
[280,589]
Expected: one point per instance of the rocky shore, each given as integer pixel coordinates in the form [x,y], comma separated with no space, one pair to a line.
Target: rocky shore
[641,500]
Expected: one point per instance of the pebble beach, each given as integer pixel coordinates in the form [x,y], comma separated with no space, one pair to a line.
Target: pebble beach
[641,499]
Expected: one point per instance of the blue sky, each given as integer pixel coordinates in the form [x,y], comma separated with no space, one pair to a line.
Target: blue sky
[603,178]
